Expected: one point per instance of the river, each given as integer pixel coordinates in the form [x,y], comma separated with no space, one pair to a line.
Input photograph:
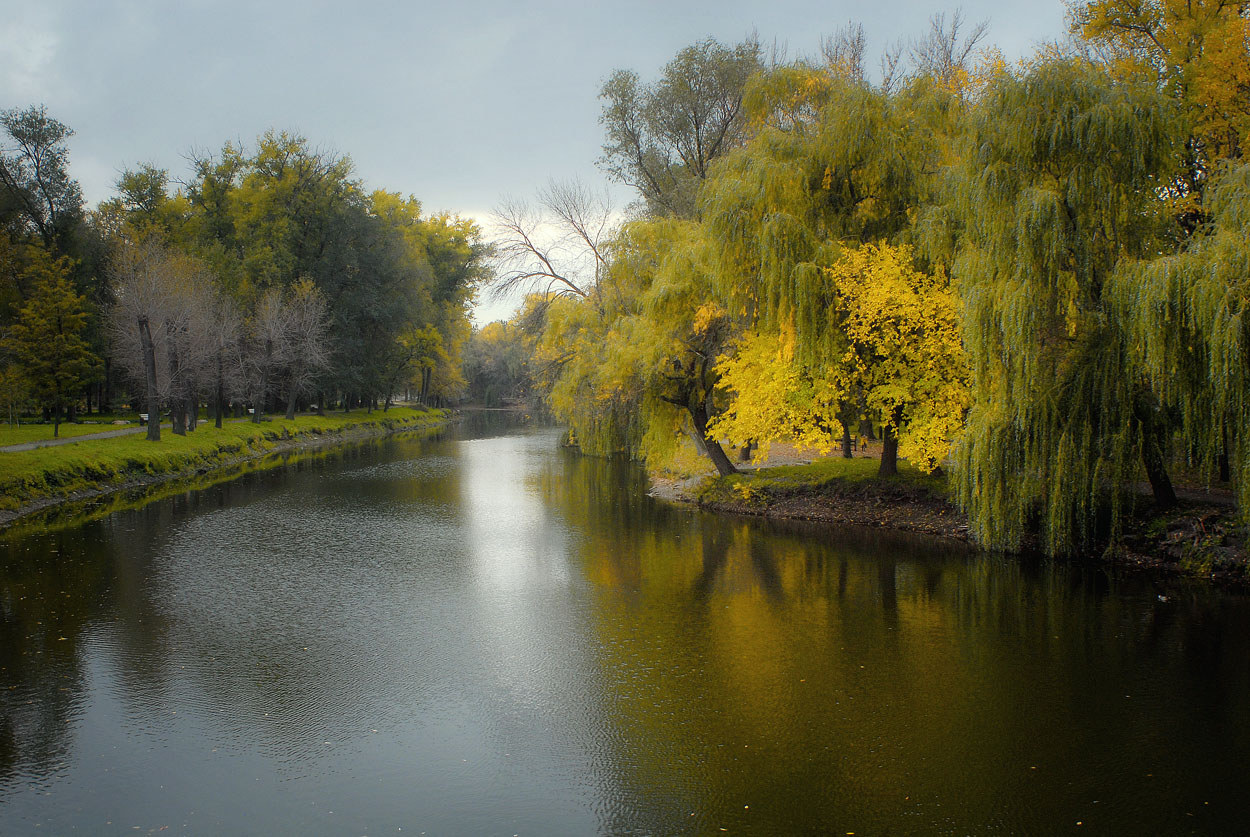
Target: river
[478,632]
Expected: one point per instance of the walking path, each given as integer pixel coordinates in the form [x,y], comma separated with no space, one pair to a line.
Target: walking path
[65,440]
[105,434]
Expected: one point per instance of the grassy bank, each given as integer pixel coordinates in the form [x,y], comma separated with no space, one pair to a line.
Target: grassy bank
[32,478]
[837,490]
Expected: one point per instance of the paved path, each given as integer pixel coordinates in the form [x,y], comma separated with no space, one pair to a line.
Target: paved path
[65,440]
[104,434]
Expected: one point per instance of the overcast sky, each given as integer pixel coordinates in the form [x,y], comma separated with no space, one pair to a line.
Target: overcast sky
[457,103]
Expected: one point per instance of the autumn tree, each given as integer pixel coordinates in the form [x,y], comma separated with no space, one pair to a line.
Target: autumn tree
[898,354]
[806,218]
[1198,54]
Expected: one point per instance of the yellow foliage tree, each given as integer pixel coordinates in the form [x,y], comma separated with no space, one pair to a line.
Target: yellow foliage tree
[898,351]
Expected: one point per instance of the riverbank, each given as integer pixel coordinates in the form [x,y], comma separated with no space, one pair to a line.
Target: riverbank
[1200,538]
[36,480]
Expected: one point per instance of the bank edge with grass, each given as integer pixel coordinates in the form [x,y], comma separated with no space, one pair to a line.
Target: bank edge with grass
[36,479]
[1198,539]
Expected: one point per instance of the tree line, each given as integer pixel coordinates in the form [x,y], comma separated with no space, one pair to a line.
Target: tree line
[268,279]
[1034,273]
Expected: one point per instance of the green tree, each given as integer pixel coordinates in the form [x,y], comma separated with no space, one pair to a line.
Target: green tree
[1060,184]
[46,339]
[38,194]
[1187,317]
[661,138]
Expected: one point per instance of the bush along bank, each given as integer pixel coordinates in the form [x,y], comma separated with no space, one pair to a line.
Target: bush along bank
[1200,538]
[35,479]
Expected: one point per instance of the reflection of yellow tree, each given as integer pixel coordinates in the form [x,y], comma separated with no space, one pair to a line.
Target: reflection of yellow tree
[828,685]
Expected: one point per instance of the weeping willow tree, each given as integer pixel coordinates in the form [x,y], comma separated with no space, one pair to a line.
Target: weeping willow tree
[1188,319]
[1061,182]
[806,217]
[631,367]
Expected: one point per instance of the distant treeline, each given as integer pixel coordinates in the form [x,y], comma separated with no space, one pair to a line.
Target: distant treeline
[265,278]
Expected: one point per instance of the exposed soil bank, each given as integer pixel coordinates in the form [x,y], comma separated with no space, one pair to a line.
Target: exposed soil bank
[375,427]
[1198,539]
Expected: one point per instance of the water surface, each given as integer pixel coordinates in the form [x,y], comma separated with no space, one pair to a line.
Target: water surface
[482,633]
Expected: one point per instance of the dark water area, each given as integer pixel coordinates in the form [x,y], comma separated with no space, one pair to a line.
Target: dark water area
[479,632]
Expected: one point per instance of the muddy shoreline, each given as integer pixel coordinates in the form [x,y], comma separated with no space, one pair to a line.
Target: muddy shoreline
[1196,540]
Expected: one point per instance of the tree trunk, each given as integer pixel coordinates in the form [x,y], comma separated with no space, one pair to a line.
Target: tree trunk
[191,400]
[847,448]
[149,368]
[56,419]
[889,448]
[221,393]
[1222,459]
[177,403]
[865,430]
[698,414]
[258,407]
[106,395]
[290,402]
[1152,448]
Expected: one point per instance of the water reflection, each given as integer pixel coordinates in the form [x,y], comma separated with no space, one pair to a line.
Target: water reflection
[477,633]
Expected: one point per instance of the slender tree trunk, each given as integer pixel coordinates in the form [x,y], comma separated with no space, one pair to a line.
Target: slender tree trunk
[848,451]
[698,414]
[1152,449]
[149,368]
[106,393]
[177,402]
[747,451]
[56,417]
[1222,459]
[1157,473]
[290,401]
[889,447]
[258,408]
[221,392]
[192,403]
[321,403]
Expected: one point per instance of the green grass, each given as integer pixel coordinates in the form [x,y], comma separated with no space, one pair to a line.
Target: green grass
[823,474]
[27,476]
